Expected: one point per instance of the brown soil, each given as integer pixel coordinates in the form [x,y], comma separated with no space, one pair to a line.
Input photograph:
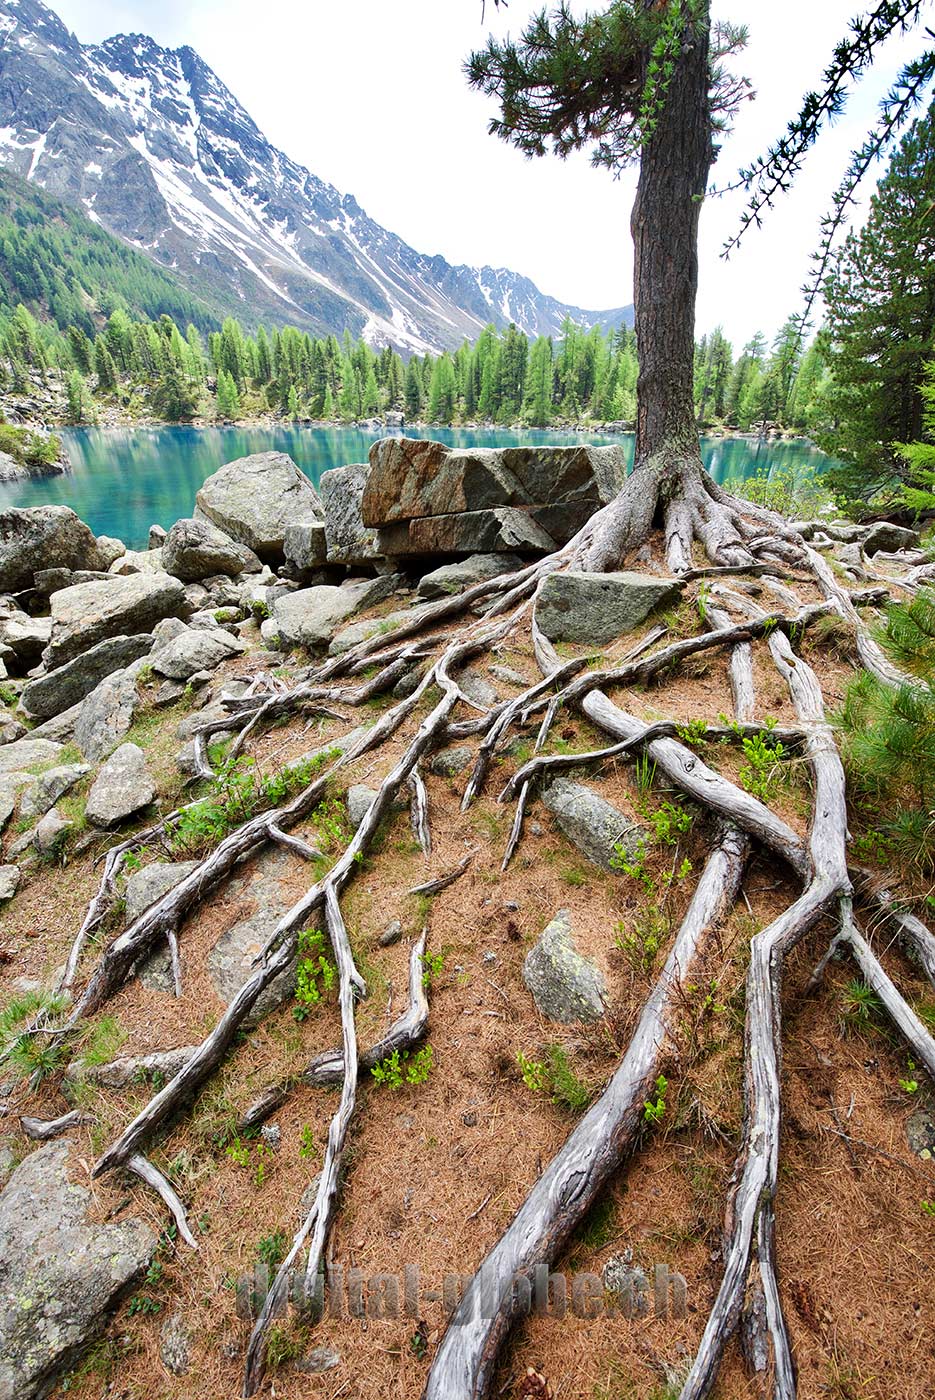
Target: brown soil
[436,1171]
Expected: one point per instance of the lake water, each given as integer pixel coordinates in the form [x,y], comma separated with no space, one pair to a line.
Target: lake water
[126,479]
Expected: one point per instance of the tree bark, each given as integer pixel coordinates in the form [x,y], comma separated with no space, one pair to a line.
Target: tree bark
[674,166]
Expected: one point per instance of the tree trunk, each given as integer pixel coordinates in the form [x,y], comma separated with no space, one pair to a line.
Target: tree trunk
[674,167]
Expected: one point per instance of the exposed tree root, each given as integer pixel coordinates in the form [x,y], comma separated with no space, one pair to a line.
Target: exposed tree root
[741,542]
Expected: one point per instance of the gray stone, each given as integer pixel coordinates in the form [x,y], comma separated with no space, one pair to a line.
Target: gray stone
[44,537]
[122,787]
[85,615]
[448,763]
[507,674]
[109,549]
[319,1359]
[106,714]
[50,832]
[478,689]
[196,650]
[24,754]
[595,608]
[359,798]
[175,1344]
[590,822]
[369,627]
[231,964]
[157,536]
[9,881]
[255,498]
[45,791]
[11,784]
[145,886]
[10,728]
[271,1133]
[496,531]
[167,630]
[477,568]
[138,561]
[196,549]
[266,886]
[26,636]
[61,1271]
[305,547]
[311,616]
[920,1133]
[565,986]
[887,537]
[349,541]
[58,690]
[391,934]
[131,1069]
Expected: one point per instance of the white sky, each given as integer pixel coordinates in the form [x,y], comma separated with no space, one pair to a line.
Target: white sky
[369,95]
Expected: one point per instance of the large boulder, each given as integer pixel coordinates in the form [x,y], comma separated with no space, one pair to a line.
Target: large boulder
[61,1270]
[592,823]
[24,754]
[310,616]
[349,540]
[496,531]
[565,986]
[195,651]
[196,549]
[255,498]
[43,537]
[105,715]
[50,694]
[596,608]
[122,787]
[84,615]
[477,568]
[559,486]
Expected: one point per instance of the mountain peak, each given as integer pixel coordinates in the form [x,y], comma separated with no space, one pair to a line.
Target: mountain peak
[157,150]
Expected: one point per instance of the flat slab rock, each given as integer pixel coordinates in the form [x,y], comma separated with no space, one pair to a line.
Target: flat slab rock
[122,787]
[565,986]
[411,478]
[230,962]
[60,1272]
[88,613]
[590,822]
[49,695]
[196,650]
[143,888]
[310,616]
[596,608]
[477,568]
[501,529]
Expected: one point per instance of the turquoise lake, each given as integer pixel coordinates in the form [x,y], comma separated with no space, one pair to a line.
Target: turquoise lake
[126,479]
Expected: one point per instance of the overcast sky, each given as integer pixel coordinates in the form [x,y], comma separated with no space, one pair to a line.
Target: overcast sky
[370,95]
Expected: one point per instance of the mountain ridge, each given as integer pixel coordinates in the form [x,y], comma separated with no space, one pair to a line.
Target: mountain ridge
[154,147]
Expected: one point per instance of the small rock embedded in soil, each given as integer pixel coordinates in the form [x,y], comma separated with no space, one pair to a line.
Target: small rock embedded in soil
[565,986]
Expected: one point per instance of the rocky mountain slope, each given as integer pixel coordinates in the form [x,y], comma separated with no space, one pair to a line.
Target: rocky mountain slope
[153,146]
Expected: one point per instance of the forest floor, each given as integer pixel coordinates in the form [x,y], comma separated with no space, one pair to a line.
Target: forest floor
[435,1171]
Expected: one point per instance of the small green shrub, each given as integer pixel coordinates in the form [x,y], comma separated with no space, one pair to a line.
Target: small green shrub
[403,1068]
[654,1109]
[554,1076]
[315,973]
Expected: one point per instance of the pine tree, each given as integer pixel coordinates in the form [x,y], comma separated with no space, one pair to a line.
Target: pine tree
[919,456]
[537,396]
[442,391]
[228,400]
[412,391]
[880,301]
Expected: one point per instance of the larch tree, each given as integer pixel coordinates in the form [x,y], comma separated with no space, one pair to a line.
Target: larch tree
[644,81]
